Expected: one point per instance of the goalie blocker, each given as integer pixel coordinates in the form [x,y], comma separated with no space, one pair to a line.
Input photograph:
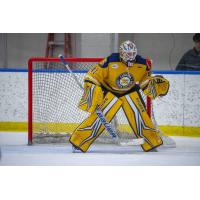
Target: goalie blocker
[134,109]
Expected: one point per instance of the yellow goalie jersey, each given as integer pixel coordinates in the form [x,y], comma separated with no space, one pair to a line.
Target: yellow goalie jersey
[113,75]
[111,85]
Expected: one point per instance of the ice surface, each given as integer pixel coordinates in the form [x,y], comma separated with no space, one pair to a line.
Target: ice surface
[16,152]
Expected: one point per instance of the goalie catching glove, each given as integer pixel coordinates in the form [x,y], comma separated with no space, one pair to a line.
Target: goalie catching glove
[157,86]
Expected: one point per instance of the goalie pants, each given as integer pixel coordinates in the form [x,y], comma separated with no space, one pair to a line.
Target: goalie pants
[135,111]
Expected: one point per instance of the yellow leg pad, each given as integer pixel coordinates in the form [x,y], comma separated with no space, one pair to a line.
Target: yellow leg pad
[140,121]
[92,127]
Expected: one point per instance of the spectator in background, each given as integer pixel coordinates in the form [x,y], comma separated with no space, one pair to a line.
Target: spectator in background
[191,59]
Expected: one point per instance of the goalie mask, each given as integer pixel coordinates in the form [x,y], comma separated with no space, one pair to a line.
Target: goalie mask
[128,52]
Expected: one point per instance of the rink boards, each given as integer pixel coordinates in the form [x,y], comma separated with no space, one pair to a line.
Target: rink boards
[177,113]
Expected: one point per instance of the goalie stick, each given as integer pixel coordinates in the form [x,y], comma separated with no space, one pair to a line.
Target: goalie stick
[111,130]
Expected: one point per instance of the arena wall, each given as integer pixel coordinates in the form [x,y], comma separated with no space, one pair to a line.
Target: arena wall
[177,113]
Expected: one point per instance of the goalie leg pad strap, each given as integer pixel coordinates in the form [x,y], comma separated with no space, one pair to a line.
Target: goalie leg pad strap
[86,133]
[140,121]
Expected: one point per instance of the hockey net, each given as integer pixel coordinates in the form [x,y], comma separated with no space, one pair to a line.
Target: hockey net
[53,96]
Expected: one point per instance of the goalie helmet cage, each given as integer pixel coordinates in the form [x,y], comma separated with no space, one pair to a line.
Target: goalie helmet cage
[53,96]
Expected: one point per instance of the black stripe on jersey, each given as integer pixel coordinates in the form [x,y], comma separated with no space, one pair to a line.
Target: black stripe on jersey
[88,81]
[136,87]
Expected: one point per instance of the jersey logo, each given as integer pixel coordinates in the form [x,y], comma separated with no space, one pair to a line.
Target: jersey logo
[114,66]
[124,80]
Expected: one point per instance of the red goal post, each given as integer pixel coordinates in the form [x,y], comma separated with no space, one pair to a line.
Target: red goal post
[40,76]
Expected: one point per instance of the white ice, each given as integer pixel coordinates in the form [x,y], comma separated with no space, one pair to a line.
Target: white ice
[16,152]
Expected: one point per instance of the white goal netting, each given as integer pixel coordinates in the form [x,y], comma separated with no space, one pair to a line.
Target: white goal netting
[53,100]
